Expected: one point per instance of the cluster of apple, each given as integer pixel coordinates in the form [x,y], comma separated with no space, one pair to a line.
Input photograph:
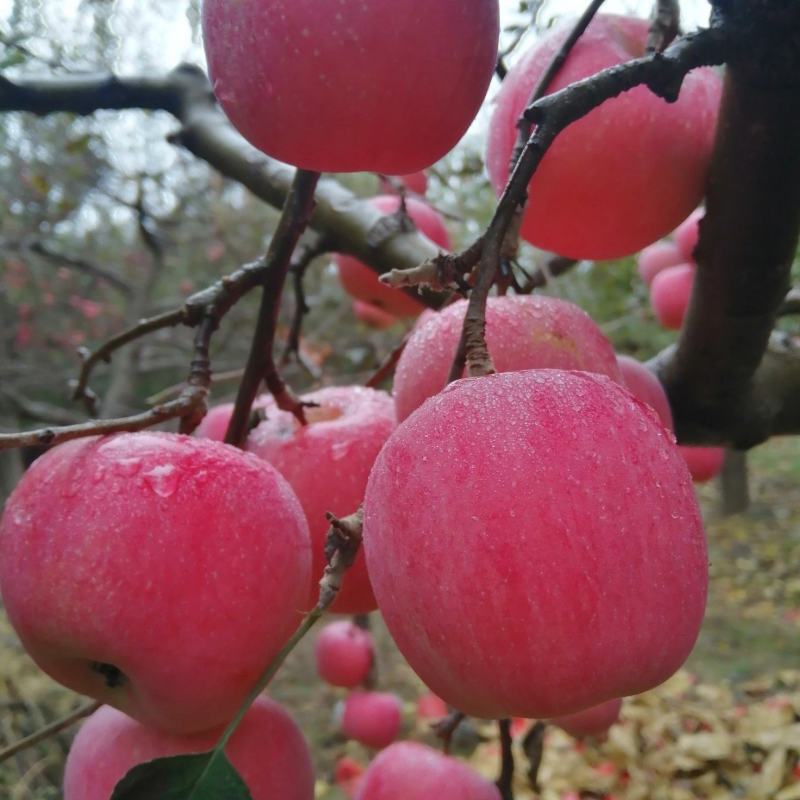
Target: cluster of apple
[668,268]
[345,655]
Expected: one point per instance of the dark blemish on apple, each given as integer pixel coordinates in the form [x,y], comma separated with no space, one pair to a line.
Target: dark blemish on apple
[114,677]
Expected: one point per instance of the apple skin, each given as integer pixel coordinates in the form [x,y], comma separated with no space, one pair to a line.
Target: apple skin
[535,332]
[416,182]
[687,234]
[647,388]
[431,707]
[594,721]
[704,463]
[629,171]
[344,654]
[268,751]
[369,87]
[657,257]
[373,316]
[372,718]
[535,544]
[327,463]
[157,554]
[411,771]
[670,292]
[362,283]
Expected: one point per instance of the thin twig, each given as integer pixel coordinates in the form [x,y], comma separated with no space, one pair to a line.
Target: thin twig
[446,727]
[261,362]
[49,730]
[387,366]
[505,781]
[533,747]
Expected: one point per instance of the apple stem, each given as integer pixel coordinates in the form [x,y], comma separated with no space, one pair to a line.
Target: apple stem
[505,781]
[533,746]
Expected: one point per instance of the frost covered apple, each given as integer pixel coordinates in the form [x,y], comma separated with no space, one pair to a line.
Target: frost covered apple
[627,173]
[362,283]
[535,545]
[521,333]
[411,771]
[372,718]
[158,573]
[344,654]
[327,462]
[267,749]
[358,86]
[593,721]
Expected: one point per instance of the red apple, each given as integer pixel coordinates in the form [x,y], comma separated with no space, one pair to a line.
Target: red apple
[646,387]
[535,545]
[687,234]
[362,283]
[344,654]
[593,721]
[214,424]
[158,573]
[373,316]
[411,771]
[657,257]
[347,775]
[327,462]
[268,751]
[416,182]
[372,718]
[521,333]
[669,294]
[704,463]
[626,174]
[362,87]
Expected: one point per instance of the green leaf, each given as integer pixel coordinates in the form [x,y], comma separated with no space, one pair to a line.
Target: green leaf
[200,776]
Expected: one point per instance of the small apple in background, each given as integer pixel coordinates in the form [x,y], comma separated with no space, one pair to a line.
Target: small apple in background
[657,257]
[687,234]
[670,292]
[704,463]
[372,718]
[628,172]
[431,707]
[327,462]
[214,424]
[362,283]
[374,88]
[159,573]
[594,721]
[644,385]
[609,597]
[535,332]
[411,771]
[344,654]
[268,751]
[347,775]
[416,182]
[373,316]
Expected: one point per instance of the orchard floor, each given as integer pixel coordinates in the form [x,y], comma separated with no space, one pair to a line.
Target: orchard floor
[726,727]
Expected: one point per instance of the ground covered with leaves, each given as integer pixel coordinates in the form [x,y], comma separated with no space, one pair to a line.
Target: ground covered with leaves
[728,726]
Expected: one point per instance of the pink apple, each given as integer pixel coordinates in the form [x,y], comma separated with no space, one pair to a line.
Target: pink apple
[372,718]
[366,87]
[657,257]
[704,463]
[593,721]
[687,234]
[416,182]
[362,283]
[268,751]
[373,316]
[215,423]
[521,332]
[430,707]
[344,654]
[411,771]
[535,545]
[669,294]
[644,385]
[327,462]
[626,174]
[158,573]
